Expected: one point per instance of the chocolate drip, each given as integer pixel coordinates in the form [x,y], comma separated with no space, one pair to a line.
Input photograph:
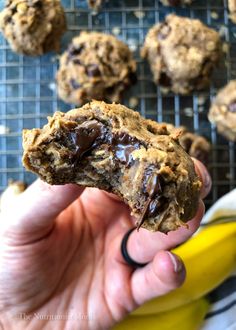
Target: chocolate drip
[123,145]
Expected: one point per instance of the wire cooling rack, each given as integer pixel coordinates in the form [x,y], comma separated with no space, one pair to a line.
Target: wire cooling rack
[28,95]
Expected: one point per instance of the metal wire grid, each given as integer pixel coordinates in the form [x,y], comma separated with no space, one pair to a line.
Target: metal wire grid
[28,95]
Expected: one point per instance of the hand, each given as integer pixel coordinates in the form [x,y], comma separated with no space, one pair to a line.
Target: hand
[61,265]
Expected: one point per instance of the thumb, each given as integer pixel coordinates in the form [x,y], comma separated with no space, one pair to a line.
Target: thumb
[34,211]
[165,273]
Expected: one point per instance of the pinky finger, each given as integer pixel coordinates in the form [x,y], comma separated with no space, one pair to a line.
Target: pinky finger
[165,273]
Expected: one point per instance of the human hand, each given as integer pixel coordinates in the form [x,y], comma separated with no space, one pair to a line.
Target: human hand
[61,265]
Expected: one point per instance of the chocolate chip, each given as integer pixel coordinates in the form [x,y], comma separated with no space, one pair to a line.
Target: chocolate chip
[76,61]
[14,10]
[75,50]
[156,206]
[86,136]
[7,19]
[38,4]
[164,31]
[123,145]
[165,80]
[75,84]
[93,70]
[232,107]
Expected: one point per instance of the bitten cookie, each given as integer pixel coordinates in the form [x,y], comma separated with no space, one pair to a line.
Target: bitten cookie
[113,148]
[232,10]
[223,111]
[182,53]
[33,27]
[195,145]
[95,66]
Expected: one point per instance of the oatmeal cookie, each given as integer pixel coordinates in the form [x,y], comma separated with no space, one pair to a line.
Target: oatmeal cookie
[182,53]
[95,66]
[223,111]
[33,27]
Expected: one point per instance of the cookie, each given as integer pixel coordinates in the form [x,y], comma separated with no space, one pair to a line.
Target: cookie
[195,145]
[232,10]
[182,53]
[113,148]
[33,27]
[175,3]
[223,111]
[95,66]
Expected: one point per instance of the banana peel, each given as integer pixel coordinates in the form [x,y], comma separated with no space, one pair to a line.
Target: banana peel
[187,317]
[209,257]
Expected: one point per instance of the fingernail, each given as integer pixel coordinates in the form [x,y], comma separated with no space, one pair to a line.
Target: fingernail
[176,261]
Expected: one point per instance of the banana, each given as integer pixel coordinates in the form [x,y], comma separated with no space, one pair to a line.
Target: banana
[209,258]
[187,317]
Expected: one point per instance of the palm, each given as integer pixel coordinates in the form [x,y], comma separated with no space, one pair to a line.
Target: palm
[79,258]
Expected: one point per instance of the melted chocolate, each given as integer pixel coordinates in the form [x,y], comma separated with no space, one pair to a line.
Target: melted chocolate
[123,145]
[232,107]
[152,186]
[155,206]
[86,136]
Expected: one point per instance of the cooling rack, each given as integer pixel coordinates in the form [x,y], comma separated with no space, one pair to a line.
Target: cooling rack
[28,94]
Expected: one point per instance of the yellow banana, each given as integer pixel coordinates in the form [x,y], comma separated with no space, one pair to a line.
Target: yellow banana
[209,257]
[187,317]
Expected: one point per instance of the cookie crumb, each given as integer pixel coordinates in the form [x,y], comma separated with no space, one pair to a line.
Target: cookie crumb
[188,112]
[139,14]
[214,15]
[116,30]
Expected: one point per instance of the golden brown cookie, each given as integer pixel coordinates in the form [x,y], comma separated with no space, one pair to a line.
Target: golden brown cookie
[95,66]
[33,27]
[223,111]
[113,148]
[182,53]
